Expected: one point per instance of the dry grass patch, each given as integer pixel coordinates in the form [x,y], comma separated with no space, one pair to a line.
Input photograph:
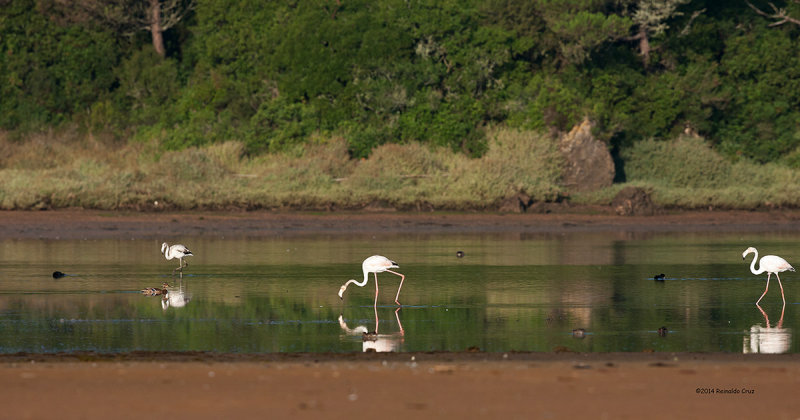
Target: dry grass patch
[65,170]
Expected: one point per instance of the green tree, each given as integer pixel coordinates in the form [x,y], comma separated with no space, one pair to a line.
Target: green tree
[50,72]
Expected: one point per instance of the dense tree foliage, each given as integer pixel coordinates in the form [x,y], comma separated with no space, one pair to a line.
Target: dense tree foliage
[276,74]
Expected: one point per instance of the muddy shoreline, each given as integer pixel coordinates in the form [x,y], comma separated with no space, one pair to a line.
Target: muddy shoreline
[655,358]
[95,224]
[416,385]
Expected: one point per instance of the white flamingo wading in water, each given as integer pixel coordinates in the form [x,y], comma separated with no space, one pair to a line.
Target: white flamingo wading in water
[375,264]
[771,264]
[176,251]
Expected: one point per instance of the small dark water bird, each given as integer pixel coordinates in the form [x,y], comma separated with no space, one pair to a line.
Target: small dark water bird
[662,331]
[58,274]
[659,277]
[579,333]
[460,254]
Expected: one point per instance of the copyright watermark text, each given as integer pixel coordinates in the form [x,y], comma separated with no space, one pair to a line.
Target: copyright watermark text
[725,391]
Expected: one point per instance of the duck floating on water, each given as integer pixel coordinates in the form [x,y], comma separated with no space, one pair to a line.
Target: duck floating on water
[154,291]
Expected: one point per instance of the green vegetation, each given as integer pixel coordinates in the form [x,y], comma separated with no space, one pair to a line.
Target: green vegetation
[452,104]
[51,172]
[687,173]
[48,172]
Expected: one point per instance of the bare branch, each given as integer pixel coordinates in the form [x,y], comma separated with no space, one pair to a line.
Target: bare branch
[779,15]
[695,14]
[172,11]
[126,17]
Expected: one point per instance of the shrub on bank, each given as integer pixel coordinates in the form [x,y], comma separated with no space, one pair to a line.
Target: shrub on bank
[687,173]
[72,170]
[48,172]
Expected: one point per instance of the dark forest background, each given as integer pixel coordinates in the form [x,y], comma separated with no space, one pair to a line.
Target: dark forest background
[274,74]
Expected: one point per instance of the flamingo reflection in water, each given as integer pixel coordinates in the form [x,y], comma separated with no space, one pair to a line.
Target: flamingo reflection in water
[374,341]
[175,297]
[768,340]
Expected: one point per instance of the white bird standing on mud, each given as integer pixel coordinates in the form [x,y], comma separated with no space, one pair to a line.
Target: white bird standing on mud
[770,264]
[375,264]
[176,251]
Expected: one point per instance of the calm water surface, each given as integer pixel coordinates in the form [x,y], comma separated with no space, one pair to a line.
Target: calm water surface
[509,292]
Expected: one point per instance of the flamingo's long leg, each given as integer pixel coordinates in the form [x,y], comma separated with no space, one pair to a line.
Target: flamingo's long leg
[402,277]
[766,318]
[765,290]
[377,321]
[780,321]
[397,315]
[781,285]
[376,290]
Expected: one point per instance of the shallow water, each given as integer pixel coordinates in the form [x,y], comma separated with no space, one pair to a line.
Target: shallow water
[509,292]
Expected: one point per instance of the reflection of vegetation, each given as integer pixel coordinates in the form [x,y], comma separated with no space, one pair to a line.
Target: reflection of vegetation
[532,301]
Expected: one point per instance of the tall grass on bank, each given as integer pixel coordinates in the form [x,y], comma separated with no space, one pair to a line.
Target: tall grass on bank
[67,170]
[687,173]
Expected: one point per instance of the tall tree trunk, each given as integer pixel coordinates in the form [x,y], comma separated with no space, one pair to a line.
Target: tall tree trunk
[644,46]
[155,27]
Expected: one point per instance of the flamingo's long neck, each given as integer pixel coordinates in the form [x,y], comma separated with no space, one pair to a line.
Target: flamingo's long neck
[362,284]
[753,265]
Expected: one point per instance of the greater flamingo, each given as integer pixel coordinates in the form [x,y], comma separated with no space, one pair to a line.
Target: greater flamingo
[770,264]
[176,251]
[375,264]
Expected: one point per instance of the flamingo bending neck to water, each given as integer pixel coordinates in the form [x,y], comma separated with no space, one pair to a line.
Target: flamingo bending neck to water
[375,264]
[770,264]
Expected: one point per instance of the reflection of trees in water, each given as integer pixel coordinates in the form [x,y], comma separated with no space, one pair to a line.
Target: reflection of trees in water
[575,298]
[374,341]
[768,340]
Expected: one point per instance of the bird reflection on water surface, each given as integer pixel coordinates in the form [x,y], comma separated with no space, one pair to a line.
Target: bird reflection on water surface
[176,297]
[171,296]
[374,341]
[768,340]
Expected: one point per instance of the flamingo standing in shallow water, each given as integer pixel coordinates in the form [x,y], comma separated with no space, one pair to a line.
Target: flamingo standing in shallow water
[176,251]
[375,264]
[770,264]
